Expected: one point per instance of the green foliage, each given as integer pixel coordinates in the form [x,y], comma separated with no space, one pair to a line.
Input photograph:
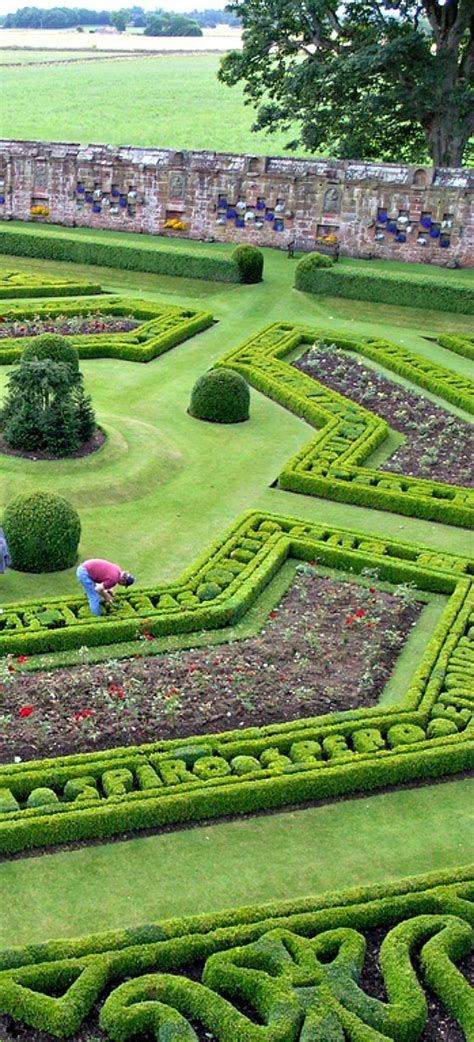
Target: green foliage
[461,345]
[26,284]
[43,532]
[54,347]
[163,326]
[46,408]
[220,396]
[250,262]
[307,265]
[56,244]
[408,290]
[170,23]
[361,81]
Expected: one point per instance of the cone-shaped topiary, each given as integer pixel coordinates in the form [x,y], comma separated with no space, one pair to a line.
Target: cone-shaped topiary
[250,261]
[54,346]
[42,531]
[220,396]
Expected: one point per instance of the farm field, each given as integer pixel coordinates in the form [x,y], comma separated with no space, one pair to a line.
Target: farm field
[89,103]
[242,673]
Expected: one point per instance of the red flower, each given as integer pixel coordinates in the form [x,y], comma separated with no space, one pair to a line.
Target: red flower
[283,677]
[350,618]
[312,563]
[360,613]
[83,714]
[371,589]
[273,615]
[25,711]
[22,658]
[192,668]
[148,636]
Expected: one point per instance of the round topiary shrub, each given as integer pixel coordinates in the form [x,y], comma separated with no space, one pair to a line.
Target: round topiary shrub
[250,262]
[220,396]
[42,531]
[307,269]
[57,348]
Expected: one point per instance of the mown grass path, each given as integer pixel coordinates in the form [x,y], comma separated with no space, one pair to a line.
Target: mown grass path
[265,858]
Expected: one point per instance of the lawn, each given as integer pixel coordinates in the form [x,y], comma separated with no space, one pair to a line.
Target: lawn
[88,102]
[159,491]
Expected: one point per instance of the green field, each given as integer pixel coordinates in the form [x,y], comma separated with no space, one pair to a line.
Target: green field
[170,101]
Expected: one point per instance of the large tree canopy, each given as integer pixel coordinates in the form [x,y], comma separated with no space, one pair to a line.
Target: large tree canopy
[368,79]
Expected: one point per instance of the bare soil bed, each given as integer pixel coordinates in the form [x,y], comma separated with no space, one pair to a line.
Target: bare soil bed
[330,645]
[439,445]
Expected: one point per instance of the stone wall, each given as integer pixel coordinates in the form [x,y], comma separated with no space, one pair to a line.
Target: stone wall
[374,209]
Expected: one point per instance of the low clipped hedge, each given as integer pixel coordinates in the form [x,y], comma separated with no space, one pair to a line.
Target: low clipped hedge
[284,970]
[163,327]
[429,734]
[331,464]
[28,284]
[57,244]
[461,345]
[404,290]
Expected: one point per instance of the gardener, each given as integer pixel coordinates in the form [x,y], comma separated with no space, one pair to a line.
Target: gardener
[98,577]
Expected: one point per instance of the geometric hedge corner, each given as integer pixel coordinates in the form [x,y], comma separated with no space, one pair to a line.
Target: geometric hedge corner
[285,972]
[26,284]
[429,733]
[330,464]
[162,327]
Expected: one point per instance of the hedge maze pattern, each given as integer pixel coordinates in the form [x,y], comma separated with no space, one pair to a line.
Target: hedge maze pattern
[162,327]
[282,973]
[27,284]
[429,733]
[330,465]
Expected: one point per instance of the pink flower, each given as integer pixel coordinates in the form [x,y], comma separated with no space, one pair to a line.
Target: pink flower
[25,711]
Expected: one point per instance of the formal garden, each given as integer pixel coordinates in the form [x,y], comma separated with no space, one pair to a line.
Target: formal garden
[237,806]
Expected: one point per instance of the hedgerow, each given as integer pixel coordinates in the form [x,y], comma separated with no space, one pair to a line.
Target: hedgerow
[283,971]
[104,794]
[330,465]
[163,327]
[461,345]
[28,284]
[57,244]
[406,289]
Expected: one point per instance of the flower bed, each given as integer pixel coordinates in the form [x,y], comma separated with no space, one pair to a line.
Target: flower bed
[429,733]
[96,324]
[152,328]
[330,464]
[354,631]
[438,445]
[285,971]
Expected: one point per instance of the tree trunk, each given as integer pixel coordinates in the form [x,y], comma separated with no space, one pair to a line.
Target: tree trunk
[447,135]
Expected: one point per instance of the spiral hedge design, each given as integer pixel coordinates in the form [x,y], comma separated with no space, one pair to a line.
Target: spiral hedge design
[286,972]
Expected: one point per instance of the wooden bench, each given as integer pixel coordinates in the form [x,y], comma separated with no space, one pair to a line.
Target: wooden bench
[307,245]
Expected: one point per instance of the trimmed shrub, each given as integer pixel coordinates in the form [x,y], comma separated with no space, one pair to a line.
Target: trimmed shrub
[307,266]
[52,345]
[220,396]
[54,243]
[43,532]
[407,290]
[250,262]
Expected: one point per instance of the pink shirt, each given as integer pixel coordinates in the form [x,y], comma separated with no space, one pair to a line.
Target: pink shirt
[103,572]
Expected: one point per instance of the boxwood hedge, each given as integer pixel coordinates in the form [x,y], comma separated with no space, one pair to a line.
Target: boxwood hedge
[405,289]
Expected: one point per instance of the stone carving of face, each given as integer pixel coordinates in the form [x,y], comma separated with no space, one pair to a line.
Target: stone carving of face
[331,202]
[176,186]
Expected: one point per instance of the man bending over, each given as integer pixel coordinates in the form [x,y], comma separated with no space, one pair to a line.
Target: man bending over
[98,577]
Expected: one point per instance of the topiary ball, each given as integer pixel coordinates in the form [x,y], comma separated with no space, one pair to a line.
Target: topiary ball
[42,531]
[250,262]
[52,345]
[220,396]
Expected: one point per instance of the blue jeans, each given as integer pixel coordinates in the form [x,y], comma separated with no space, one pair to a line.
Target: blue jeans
[90,590]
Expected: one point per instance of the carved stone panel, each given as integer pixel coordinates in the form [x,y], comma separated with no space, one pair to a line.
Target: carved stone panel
[332,200]
[176,185]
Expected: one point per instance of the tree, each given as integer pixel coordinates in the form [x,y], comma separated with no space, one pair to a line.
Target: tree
[167,23]
[369,80]
[120,20]
[46,408]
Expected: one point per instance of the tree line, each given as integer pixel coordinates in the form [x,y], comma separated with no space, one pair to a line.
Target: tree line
[155,23]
